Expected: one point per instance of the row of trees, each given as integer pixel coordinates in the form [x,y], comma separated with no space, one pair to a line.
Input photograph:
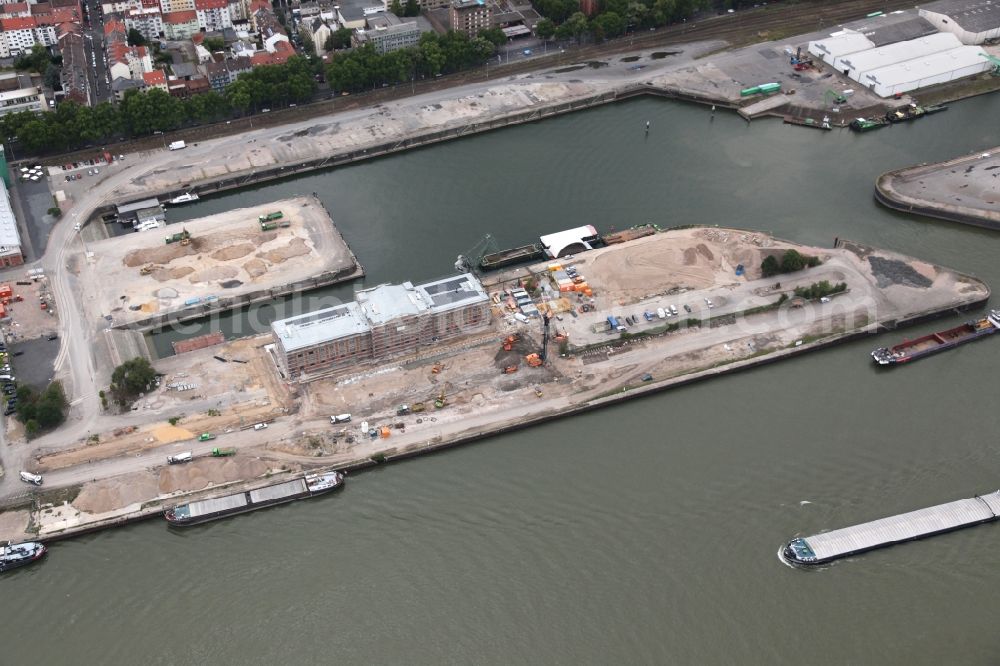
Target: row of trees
[71,126]
[563,20]
[820,289]
[791,261]
[364,68]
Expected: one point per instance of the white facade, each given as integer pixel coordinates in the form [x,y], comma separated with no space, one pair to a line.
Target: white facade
[856,65]
[839,44]
[972,21]
[147,20]
[15,42]
[927,71]
[214,19]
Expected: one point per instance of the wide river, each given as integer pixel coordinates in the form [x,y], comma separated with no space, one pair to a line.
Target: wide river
[645,533]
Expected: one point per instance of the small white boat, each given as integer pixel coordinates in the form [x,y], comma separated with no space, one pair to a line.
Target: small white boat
[187,197]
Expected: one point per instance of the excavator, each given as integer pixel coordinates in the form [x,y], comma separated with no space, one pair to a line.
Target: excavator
[538,359]
[510,341]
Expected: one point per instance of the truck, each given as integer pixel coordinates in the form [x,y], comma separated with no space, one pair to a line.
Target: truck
[176,145]
[178,458]
[205,437]
[33,479]
[615,324]
[271,226]
[223,453]
[340,418]
[270,217]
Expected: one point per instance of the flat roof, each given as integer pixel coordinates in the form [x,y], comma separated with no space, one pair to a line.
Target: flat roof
[864,61]
[317,327]
[452,292]
[884,30]
[137,205]
[930,65]
[555,244]
[972,15]
[10,239]
[840,43]
[386,302]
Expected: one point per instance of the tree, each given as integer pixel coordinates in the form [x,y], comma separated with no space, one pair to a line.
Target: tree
[494,35]
[132,378]
[214,44]
[792,261]
[577,25]
[545,29]
[136,38]
[53,78]
[396,7]
[609,24]
[412,8]
[36,60]
[770,266]
[341,39]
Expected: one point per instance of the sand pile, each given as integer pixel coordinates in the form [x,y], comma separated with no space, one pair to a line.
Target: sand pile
[255,268]
[296,247]
[168,433]
[233,252]
[209,471]
[116,493]
[213,274]
[161,254]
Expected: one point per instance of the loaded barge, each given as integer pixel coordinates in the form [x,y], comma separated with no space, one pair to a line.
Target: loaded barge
[935,342]
[512,256]
[309,485]
[829,546]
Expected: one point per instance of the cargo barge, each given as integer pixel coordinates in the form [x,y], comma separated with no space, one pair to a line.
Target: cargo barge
[203,511]
[935,342]
[912,112]
[868,124]
[512,256]
[14,555]
[829,546]
[639,231]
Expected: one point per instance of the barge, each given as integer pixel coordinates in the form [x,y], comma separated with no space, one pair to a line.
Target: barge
[868,124]
[630,234]
[829,546]
[912,112]
[203,511]
[936,342]
[512,256]
[14,555]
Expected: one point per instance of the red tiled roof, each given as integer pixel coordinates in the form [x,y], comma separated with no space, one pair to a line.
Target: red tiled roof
[211,4]
[60,15]
[198,37]
[180,17]
[14,8]
[260,4]
[26,23]
[113,25]
[41,8]
[155,78]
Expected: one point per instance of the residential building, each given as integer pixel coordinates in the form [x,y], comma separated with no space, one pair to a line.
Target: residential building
[319,31]
[386,32]
[18,94]
[221,73]
[384,322]
[354,14]
[148,21]
[180,25]
[19,34]
[155,79]
[213,14]
[470,16]
[170,6]
[121,86]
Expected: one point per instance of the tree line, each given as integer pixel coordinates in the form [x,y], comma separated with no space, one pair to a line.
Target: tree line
[71,126]
[562,19]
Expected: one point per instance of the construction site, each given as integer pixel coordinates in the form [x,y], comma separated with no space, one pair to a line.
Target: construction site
[240,254]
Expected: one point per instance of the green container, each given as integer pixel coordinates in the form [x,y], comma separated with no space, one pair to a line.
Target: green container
[746,92]
[769,88]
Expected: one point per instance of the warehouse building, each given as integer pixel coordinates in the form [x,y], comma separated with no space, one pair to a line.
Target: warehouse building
[839,44]
[10,239]
[972,21]
[926,71]
[384,322]
[856,65]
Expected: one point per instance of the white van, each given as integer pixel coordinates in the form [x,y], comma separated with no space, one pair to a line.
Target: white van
[661,313]
[34,479]
[259,426]
[340,418]
[520,317]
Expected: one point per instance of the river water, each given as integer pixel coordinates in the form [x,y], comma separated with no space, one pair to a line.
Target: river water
[644,533]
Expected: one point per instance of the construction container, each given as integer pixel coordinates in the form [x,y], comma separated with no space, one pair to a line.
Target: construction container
[769,88]
[746,92]
[555,267]
[6,292]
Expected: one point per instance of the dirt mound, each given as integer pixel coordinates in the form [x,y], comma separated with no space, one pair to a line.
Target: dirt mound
[705,252]
[296,247]
[255,268]
[212,274]
[116,493]
[201,473]
[233,252]
[162,254]
[690,256]
[164,274]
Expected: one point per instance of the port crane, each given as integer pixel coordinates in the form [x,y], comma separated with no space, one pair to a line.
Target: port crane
[469,261]
[995,61]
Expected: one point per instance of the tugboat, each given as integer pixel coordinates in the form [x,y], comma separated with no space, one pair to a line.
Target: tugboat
[867,124]
[187,197]
[935,342]
[14,555]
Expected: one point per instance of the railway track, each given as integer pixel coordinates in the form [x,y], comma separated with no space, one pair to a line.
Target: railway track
[738,29]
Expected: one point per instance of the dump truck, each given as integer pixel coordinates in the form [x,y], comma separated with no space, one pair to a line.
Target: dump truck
[176,145]
[271,226]
[184,237]
[223,453]
[270,217]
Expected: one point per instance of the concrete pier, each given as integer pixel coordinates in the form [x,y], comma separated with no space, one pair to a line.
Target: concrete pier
[965,189]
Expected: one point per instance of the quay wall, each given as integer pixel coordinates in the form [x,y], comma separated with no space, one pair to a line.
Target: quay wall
[154,508]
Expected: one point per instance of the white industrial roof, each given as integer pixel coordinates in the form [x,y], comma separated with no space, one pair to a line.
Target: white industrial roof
[10,239]
[929,66]
[452,292]
[556,243]
[865,61]
[386,302]
[317,327]
[839,44]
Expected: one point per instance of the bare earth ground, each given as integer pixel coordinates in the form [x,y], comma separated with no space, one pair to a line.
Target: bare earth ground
[134,276]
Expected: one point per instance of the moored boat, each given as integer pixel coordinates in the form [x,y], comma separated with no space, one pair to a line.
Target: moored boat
[203,511]
[867,124]
[187,197]
[935,342]
[14,555]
